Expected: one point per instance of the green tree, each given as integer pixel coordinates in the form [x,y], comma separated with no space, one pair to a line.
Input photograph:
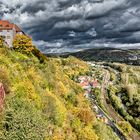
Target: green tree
[126,127]
[87,133]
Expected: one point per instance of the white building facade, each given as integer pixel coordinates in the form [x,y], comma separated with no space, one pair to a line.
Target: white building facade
[8,31]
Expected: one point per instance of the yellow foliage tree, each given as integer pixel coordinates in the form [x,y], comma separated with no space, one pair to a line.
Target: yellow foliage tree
[86,115]
[23,43]
[55,109]
[125,126]
[87,133]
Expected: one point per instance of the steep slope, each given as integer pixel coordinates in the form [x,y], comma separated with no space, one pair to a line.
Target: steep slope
[43,102]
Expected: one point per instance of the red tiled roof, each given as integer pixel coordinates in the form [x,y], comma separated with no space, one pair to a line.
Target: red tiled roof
[6,25]
[84,84]
[95,83]
[17,28]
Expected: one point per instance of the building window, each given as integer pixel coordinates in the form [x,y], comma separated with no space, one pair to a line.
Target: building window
[8,37]
[7,25]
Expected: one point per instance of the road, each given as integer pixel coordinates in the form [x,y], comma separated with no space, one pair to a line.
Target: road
[111,112]
[110,122]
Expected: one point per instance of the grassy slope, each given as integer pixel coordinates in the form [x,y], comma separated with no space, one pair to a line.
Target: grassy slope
[42,102]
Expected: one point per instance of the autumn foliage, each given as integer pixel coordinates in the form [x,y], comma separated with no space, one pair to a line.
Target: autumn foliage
[23,43]
[44,103]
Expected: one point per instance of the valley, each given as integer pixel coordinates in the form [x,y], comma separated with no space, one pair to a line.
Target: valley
[109,97]
[66,98]
[42,96]
[113,87]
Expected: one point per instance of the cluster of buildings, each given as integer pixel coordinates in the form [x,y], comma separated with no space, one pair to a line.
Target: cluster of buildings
[88,83]
[8,31]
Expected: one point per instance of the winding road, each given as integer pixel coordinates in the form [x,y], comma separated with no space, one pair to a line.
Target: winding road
[110,122]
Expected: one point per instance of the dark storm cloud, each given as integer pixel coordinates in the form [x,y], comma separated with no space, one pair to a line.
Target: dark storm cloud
[64,23]
[31,9]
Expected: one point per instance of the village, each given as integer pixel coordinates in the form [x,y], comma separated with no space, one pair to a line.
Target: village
[89,83]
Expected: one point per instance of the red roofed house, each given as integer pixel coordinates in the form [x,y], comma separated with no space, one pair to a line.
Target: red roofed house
[8,31]
[83,84]
[95,84]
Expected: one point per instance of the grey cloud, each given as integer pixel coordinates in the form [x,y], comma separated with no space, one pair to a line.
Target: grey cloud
[50,21]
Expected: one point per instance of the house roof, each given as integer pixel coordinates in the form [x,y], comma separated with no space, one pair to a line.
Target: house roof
[95,83]
[6,25]
[84,84]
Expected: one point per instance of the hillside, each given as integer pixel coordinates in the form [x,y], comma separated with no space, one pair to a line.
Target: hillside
[43,102]
[107,54]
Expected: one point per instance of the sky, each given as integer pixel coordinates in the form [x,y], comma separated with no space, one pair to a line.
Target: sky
[58,26]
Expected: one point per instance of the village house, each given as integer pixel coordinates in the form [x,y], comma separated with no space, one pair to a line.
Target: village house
[95,108]
[95,84]
[8,31]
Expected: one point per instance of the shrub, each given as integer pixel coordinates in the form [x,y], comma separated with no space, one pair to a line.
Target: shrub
[104,132]
[86,115]
[54,109]
[126,127]
[71,98]
[87,133]
[76,124]
[5,80]
[39,55]
[21,120]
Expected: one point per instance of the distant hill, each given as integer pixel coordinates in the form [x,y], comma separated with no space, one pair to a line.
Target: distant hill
[131,56]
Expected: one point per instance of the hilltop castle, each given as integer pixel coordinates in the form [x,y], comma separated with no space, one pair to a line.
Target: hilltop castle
[8,31]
